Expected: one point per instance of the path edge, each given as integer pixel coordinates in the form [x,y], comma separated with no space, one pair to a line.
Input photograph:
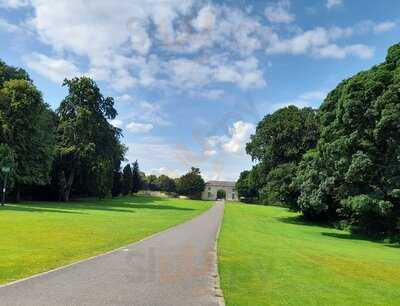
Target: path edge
[104,254]
[218,290]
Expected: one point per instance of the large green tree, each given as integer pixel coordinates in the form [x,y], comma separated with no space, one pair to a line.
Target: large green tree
[284,136]
[278,145]
[166,183]
[191,184]
[28,128]
[127,180]
[87,142]
[137,183]
[245,188]
[8,73]
[357,157]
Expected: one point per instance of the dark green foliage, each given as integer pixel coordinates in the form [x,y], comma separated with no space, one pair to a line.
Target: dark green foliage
[87,145]
[166,184]
[152,182]
[127,180]
[8,73]
[280,188]
[355,173]
[191,184]
[117,183]
[7,159]
[136,177]
[284,136]
[28,128]
[278,145]
[245,188]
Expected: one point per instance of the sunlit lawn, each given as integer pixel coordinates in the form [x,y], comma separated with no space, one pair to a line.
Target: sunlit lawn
[268,256]
[36,237]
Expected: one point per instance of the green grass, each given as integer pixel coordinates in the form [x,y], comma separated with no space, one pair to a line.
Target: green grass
[268,256]
[36,237]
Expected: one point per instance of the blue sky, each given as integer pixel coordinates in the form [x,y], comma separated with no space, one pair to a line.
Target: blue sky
[191,79]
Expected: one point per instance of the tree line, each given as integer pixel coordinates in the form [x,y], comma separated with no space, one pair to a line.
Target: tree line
[132,180]
[340,163]
[72,151]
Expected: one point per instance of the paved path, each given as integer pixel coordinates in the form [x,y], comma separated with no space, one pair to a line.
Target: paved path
[176,267]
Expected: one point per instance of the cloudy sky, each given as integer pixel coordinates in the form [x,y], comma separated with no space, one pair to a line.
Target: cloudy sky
[191,79]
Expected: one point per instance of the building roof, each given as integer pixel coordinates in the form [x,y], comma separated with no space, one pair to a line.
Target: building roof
[221,183]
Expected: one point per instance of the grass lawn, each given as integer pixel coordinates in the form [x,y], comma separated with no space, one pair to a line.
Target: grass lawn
[268,256]
[36,237]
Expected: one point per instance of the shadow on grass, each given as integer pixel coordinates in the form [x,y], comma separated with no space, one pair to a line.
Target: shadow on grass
[396,246]
[23,208]
[351,236]
[299,220]
[123,204]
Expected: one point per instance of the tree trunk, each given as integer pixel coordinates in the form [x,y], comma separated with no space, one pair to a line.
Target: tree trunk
[17,193]
[66,185]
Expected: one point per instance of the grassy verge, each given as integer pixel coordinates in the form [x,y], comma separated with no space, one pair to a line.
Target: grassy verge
[36,237]
[268,256]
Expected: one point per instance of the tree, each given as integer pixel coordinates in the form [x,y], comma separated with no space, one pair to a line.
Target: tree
[166,184]
[127,180]
[28,127]
[136,177]
[8,73]
[152,182]
[191,184]
[7,159]
[280,141]
[284,136]
[85,138]
[244,187]
[280,187]
[353,176]
[117,183]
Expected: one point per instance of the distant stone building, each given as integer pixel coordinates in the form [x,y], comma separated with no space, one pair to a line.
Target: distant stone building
[213,188]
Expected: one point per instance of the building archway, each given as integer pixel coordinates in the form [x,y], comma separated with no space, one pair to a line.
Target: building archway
[221,194]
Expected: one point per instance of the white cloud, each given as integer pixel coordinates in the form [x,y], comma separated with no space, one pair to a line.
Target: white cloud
[56,69]
[306,99]
[384,27]
[234,142]
[140,40]
[209,94]
[136,127]
[124,98]
[334,51]
[279,12]
[166,171]
[205,19]
[13,4]
[9,27]
[187,46]
[333,3]
[318,42]
[239,136]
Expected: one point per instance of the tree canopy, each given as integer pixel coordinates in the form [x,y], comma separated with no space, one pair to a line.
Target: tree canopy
[357,156]
[191,184]
[87,142]
[28,129]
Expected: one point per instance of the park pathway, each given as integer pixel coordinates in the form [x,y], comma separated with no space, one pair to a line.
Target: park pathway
[176,267]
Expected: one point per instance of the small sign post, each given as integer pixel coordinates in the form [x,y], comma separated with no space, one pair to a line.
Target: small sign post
[6,171]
